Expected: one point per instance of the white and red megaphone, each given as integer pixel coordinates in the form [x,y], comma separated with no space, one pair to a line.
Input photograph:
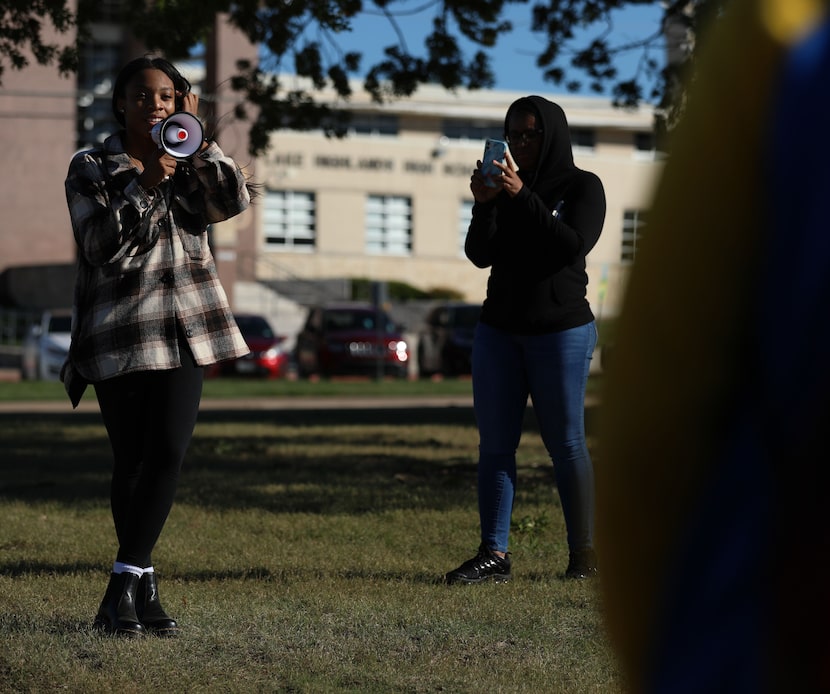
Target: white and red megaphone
[180,135]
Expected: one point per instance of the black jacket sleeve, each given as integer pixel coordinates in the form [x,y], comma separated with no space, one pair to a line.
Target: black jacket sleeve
[528,222]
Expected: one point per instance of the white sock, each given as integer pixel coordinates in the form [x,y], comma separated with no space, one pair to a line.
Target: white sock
[120,567]
[149,570]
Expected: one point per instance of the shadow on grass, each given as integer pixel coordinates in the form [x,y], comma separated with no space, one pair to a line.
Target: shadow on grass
[65,459]
[24,568]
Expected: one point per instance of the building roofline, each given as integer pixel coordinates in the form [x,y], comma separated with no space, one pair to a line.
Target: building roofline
[486,104]
[471,104]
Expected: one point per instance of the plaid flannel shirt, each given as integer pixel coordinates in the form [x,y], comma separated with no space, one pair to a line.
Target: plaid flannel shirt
[145,272]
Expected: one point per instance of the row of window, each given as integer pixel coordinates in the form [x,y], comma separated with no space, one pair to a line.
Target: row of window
[634,223]
[461,129]
[290,223]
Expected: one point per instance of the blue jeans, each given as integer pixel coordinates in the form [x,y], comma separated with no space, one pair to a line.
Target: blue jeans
[553,370]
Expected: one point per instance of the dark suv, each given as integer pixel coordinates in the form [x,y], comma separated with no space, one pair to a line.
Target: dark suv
[445,341]
[351,338]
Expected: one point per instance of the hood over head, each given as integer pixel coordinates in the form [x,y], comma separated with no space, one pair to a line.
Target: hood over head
[556,162]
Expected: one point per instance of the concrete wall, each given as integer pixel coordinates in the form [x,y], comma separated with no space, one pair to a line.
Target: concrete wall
[37,138]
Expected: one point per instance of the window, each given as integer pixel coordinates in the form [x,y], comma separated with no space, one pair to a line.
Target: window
[388,225]
[289,220]
[255,327]
[101,12]
[644,142]
[97,65]
[634,223]
[583,138]
[373,124]
[458,129]
[465,214]
[645,146]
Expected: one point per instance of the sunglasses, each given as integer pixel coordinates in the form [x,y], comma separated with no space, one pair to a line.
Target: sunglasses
[514,137]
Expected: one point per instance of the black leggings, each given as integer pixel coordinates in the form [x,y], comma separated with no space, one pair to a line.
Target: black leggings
[150,417]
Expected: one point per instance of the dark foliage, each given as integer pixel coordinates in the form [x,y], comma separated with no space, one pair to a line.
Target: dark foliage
[301,38]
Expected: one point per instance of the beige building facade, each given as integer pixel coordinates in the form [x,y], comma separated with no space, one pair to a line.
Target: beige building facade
[37,136]
[391,201]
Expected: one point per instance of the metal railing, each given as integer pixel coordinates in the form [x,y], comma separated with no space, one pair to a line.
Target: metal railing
[255,267]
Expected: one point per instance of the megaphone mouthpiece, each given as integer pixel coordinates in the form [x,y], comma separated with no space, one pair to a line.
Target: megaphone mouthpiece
[175,134]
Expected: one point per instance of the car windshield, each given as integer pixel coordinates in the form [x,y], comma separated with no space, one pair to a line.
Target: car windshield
[254,326]
[343,320]
[60,324]
[467,316]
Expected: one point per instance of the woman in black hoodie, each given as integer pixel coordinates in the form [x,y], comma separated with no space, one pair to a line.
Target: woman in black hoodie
[537,332]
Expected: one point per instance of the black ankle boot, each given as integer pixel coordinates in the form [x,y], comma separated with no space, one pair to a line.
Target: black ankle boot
[582,563]
[149,610]
[117,612]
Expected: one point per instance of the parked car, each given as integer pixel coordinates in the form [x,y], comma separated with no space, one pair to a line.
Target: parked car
[351,338]
[46,346]
[445,341]
[268,357]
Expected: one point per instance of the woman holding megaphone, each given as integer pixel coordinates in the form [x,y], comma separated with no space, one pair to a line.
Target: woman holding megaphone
[149,313]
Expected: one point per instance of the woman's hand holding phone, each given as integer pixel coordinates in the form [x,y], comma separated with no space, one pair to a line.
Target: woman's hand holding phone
[493,176]
[482,190]
[494,152]
[510,181]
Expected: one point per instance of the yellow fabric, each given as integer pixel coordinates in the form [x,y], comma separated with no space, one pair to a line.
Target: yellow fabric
[787,20]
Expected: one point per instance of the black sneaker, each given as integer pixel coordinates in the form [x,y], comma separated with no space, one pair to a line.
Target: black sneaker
[483,566]
[582,563]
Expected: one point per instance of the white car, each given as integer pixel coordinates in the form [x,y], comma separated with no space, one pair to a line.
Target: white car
[46,345]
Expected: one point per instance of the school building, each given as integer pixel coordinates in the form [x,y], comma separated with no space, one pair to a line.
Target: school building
[390,201]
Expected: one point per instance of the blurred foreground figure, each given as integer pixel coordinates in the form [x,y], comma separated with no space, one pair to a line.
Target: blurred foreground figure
[712,474]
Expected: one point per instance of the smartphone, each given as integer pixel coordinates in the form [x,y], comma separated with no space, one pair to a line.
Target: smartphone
[493,150]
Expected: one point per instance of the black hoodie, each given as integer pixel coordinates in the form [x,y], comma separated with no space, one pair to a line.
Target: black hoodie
[537,278]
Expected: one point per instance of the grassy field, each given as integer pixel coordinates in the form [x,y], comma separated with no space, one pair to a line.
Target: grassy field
[302,555]
[245,388]
[258,387]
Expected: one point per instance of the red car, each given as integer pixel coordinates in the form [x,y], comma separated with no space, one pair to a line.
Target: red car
[351,338]
[267,359]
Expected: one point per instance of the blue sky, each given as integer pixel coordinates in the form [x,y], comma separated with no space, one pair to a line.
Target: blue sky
[513,58]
